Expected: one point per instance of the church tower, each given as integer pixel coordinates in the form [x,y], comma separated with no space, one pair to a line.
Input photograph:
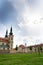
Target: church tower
[11,39]
[6,35]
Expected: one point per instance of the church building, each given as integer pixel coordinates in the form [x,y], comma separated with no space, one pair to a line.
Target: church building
[6,43]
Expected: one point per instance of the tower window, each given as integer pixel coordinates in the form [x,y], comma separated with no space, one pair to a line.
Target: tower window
[11,38]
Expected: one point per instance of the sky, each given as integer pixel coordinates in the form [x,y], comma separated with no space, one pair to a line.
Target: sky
[26,19]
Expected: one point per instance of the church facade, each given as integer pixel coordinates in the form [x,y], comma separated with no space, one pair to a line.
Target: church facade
[6,43]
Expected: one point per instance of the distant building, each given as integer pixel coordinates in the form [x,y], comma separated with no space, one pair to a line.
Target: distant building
[34,48]
[6,43]
[21,48]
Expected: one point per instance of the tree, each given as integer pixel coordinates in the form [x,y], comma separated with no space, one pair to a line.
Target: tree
[16,48]
[30,48]
[40,48]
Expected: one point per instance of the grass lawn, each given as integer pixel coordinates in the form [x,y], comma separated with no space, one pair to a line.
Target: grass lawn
[21,59]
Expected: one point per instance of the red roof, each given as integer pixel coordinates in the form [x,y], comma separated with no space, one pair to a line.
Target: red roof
[22,46]
[4,40]
[36,45]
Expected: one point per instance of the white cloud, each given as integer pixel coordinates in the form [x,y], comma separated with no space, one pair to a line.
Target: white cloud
[30,20]
[2,30]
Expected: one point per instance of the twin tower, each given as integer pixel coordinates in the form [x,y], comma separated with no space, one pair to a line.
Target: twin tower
[9,38]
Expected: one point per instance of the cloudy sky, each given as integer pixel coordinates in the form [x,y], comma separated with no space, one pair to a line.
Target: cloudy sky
[26,19]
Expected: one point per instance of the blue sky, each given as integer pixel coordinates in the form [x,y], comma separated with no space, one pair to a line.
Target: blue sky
[26,18]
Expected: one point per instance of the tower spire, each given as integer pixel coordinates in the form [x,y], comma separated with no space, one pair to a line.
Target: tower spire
[11,31]
[6,35]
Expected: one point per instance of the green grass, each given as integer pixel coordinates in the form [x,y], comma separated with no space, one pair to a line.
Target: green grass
[21,59]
